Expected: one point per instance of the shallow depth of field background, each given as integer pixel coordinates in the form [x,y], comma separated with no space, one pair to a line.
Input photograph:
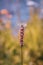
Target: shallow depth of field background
[13,13]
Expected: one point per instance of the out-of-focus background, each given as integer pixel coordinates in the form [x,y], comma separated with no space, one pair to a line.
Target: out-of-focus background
[13,13]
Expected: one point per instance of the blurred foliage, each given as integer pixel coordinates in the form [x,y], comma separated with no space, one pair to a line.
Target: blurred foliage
[8,47]
[33,37]
[10,51]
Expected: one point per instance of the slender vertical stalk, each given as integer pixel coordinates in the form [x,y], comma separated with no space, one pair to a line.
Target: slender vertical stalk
[21,55]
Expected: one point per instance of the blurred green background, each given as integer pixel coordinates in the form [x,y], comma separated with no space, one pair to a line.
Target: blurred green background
[10,50]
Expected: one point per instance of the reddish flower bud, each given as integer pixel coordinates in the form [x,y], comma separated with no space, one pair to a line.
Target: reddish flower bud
[21,35]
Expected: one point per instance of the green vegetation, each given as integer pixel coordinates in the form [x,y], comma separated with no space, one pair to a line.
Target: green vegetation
[10,53]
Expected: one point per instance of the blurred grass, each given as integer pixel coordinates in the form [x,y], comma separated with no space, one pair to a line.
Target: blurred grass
[10,51]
